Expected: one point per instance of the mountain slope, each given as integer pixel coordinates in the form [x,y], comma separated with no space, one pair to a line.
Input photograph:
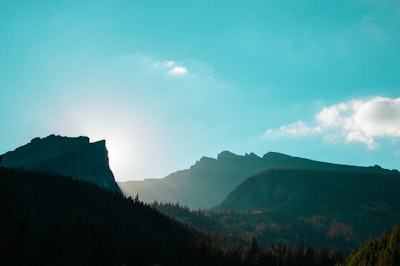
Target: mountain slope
[337,207]
[208,181]
[303,191]
[82,224]
[73,157]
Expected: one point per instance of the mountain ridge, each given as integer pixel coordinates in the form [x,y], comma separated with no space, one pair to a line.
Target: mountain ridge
[207,182]
[344,208]
[270,185]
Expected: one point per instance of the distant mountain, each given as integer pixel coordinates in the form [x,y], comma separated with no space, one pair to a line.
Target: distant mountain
[73,157]
[326,206]
[209,181]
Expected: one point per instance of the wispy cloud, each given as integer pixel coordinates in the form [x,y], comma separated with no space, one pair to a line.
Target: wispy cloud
[158,73]
[172,67]
[178,70]
[362,121]
[298,128]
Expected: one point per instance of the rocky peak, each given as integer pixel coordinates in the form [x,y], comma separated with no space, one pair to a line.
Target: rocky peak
[74,157]
[227,155]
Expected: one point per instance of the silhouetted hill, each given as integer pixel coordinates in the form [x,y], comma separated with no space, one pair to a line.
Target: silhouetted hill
[209,181]
[305,191]
[73,157]
[64,221]
[354,206]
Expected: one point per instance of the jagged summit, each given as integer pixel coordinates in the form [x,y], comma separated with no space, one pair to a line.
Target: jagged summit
[231,155]
[227,155]
[76,157]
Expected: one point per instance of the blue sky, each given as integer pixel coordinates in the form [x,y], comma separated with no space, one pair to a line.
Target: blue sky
[166,82]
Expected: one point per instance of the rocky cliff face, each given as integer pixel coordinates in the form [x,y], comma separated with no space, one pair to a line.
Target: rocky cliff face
[73,157]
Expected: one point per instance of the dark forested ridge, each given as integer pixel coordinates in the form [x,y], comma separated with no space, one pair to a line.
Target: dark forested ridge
[72,157]
[216,178]
[327,207]
[52,220]
[59,216]
[309,191]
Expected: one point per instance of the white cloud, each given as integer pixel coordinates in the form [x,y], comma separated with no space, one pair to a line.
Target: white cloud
[362,121]
[178,70]
[298,128]
[172,67]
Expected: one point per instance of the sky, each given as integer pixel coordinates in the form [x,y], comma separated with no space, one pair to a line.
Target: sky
[167,82]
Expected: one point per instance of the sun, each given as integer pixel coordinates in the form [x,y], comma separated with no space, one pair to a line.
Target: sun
[133,140]
[120,155]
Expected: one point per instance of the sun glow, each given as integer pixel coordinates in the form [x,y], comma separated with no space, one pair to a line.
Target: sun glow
[130,139]
[121,153]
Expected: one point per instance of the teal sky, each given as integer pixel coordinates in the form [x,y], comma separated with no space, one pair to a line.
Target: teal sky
[166,82]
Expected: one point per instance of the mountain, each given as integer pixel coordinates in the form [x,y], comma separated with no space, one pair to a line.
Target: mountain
[73,157]
[83,225]
[304,191]
[209,181]
[341,208]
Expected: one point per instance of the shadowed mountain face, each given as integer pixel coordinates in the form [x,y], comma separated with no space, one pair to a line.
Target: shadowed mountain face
[298,191]
[210,180]
[331,207]
[73,157]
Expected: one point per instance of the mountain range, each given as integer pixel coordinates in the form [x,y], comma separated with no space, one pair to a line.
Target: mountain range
[206,184]
[275,197]
[290,200]
[78,219]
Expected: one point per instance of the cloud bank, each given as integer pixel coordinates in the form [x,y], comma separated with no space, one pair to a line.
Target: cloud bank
[362,121]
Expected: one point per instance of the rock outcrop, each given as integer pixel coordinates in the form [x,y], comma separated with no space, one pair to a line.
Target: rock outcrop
[72,157]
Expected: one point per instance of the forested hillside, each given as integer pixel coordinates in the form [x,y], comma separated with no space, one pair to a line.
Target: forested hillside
[382,251]
[334,208]
[331,207]
[53,220]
